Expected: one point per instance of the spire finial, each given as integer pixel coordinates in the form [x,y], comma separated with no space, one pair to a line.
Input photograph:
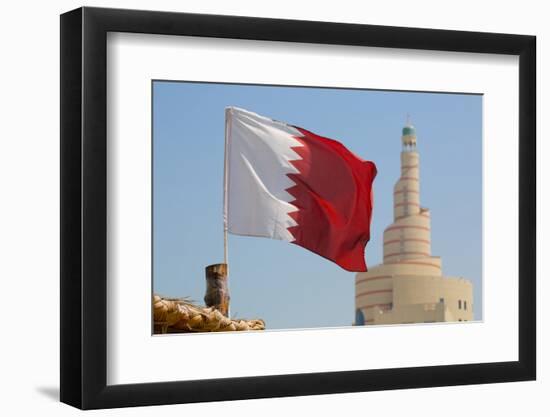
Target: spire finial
[408,119]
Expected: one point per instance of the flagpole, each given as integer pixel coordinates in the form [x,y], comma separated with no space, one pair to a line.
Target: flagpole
[225,195]
[225,181]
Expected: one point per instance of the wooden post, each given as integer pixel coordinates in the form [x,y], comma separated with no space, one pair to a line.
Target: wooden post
[217,291]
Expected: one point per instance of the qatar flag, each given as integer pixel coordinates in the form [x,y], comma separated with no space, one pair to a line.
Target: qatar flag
[284,182]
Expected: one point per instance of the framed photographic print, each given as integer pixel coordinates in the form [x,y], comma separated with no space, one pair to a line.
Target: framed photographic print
[257,208]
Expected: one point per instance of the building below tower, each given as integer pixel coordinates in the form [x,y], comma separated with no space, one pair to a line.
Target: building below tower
[409,286]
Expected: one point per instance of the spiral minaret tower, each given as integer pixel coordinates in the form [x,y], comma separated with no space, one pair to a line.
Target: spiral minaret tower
[408,286]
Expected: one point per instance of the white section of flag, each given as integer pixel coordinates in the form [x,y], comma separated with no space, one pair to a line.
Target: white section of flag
[258,151]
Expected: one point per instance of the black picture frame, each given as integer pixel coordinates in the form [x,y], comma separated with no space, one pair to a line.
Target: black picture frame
[84,207]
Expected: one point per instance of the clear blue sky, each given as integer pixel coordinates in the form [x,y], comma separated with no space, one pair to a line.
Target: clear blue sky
[286,285]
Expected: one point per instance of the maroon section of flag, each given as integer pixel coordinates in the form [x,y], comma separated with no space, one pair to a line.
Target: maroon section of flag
[333,195]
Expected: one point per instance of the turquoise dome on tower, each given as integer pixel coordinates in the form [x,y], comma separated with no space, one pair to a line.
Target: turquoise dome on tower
[408,137]
[409,131]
